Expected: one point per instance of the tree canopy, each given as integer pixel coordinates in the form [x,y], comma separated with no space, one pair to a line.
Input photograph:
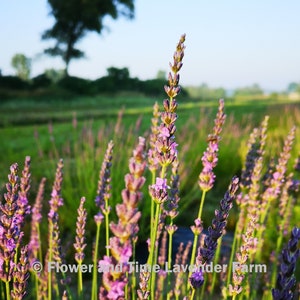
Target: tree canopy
[22,64]
[75,18]
[254,89]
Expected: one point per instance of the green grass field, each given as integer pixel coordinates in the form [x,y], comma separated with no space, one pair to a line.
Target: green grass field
[78,130]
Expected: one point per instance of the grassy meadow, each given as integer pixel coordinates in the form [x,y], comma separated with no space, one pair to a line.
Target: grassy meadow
[78,130]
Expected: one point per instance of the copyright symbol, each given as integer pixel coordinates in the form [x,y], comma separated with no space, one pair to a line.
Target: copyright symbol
[37,266]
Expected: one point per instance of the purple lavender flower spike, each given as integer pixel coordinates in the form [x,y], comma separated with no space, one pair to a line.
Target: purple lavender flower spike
[23,206]
[20,276]
[36,218]
[126,230]
[218,224]
[79,244]
[10,230]
[286,281]
[197,279]
[210,156]
[165,146]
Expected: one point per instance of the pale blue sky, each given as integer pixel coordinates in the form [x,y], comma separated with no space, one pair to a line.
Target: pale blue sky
[229,43]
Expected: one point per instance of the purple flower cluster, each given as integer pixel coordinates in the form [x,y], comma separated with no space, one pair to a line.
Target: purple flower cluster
[286,281]
[255,150]
[23,206]
[210,158]
[36,218]
[172,204]
[153,162]
[9,230]
[103,192]
[158,191]
[219,222]
[21,276]
[55,202]
[277,179]
[12,213]
[114,282]
[79,244]
[165,146]
[197,279]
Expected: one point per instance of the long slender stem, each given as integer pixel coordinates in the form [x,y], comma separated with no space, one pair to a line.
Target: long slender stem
[94,280]
[79,282]
[107,227]
[126,288]
[133,284]
[279,243]
[262,221]
[152,207]
[193,294]
[169,261]
[50,260]
[151,262]
[195,242]
[7,290]
[201,205]
[216,259]
[233,248]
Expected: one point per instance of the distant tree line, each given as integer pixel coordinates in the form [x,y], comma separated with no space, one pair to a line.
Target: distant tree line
[116,80]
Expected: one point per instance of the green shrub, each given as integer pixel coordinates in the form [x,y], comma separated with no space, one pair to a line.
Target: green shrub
[75,85]
[41,81]
[13,83]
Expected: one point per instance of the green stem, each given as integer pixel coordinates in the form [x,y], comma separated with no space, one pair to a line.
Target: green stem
[133,284]
[169,260]
[153,239]
[201,205]
[50,260]
[195,242]
[126,288]
[193,294]
[152,206]
[107,228]
[94,280]
[233,247]
[7,290]
[279,243]
[79,282]
[263,219]
[152,250]
[216,259]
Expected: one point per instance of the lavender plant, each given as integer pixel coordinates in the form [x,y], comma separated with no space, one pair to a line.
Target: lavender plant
[40,269]
[286,282]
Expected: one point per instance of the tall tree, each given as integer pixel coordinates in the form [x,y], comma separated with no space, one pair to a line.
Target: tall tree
[22,64]
[75,18]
